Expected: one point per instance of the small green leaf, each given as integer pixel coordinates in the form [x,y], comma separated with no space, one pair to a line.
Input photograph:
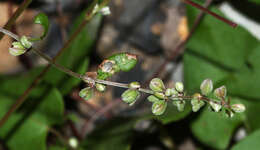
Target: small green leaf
[157,85]
[196,102]
[220,92]
[216,107]
[206,87]
[134,85]
[159,107]
[86,93]
[170,92]
[239,108]
[25,42]
[130,96]
[180,104]
[179,86]
[159,95]
[125,61]
[153,99]
[43,20]
[100,87]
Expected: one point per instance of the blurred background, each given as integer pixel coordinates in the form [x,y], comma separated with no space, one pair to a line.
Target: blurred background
[174,41]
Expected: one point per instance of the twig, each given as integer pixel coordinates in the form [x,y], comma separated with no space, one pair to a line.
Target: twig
[17,13]
[232,24]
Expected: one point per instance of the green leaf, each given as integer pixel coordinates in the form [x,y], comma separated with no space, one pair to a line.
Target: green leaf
[250,142]
[28,128]
[43,20]
[214,129]
[114,135]
[16,85]
[86,93]
[229,57]
[159,107]
[125,61]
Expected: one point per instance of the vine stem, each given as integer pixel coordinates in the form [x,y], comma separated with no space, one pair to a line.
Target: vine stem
[86,78]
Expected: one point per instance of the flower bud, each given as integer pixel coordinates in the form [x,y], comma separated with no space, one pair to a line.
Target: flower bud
[238,108]
[152,99]
[25,42]
[179,86]
[157,85]
[100,87]
[159,107]
[73,142]
[220,92]
[130,96]
[16,51]
[105,11]
[229,113]
[206,87]
[159,95]
[196,102]
[170,92]
[216,107]
[180,104]
[134,85]
[86,93]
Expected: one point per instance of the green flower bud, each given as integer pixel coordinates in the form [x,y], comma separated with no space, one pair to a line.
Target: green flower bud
[238,108]
[86,93]
[159,95]
[229,113]
[179,86]
[25,42]
[130,96]
[196,102]
[170,91]
[156,85]
[206,87]
[159,107]
[216,107]
[220,92]
[16,51]
[180,104]
[134,85]
[152,99]
[17,45]
[100,87]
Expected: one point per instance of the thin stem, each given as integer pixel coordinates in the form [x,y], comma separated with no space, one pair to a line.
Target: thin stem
[7,32]
[23,97]
[17,13]
[232,24]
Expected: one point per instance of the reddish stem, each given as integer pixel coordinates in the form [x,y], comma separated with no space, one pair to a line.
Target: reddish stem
[232,24]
